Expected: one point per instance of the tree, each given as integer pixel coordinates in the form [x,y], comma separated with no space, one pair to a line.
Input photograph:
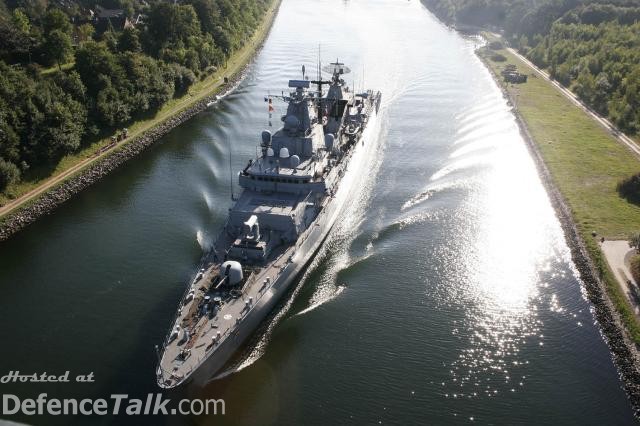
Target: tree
[9,140]
[35,9]
[58,47]
[111,40]
[44,116]
[9,173]
[634,241]
[94,60]
[170,23]
[15,43]
[208,14]
[223,39]
[55,19]
[129,40]
[21,21]
[85,32]
[112,107]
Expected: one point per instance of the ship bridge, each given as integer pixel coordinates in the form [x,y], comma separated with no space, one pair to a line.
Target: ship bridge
[291,159]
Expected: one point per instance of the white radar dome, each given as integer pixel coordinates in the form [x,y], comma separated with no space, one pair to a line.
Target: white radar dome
[233,270]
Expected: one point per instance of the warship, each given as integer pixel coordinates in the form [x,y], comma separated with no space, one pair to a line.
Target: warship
[292,194]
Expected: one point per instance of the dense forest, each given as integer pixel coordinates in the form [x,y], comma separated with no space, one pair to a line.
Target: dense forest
[592,47]
[72,71]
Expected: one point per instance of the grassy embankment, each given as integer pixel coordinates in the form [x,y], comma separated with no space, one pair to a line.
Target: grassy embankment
[585,163]
[197,92]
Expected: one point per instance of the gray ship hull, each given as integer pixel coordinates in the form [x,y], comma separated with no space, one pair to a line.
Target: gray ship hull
[303,254]
[292,195]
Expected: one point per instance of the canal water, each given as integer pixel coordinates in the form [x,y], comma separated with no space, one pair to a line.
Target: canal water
[445,295]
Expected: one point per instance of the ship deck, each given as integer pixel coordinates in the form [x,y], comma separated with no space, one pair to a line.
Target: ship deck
[206,334]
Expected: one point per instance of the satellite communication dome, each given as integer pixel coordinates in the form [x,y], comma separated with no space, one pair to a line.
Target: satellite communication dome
[233,270]
[284,152]
[269,152]
[295,161]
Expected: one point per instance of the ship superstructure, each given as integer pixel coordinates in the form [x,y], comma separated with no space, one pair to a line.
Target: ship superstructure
[292,194]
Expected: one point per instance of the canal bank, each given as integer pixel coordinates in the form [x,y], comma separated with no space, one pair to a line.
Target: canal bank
[81,173]
[615,317]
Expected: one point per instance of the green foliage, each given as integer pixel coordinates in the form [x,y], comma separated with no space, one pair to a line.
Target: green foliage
[629,189]
[15,38]
[171,24]
[129,40]
[56,19]
[9,173]
[124,85]
[128,74]
[498,57]
[183,78]
[58,47]
[635,268]
[85,32]
[21,21]
[110,39]
[602,64]
[591,47]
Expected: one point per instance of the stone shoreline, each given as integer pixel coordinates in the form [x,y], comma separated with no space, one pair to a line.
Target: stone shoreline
[624,351]
[51,199]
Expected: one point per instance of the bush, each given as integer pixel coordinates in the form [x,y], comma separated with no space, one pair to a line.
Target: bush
[183,78]
[496,45]
[635,268]
[9,173]
[629,189]
[497,57]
